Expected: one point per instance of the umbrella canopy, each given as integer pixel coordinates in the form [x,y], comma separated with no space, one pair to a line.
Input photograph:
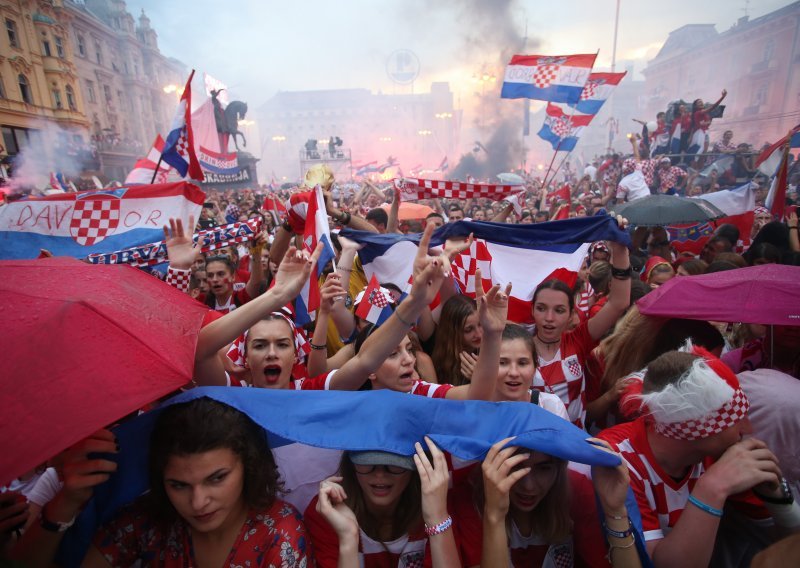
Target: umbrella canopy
[409,211]
[767,294]
[84,346]
[660,210]
[511,178]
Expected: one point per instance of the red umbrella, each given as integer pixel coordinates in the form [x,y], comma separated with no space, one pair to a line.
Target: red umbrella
[767,294]
[84,346]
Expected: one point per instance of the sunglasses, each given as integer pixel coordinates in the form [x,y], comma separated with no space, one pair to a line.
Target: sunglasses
[391,469]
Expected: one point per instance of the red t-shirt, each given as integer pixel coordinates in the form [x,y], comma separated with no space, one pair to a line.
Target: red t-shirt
[564,374]
[585,547]
[410,550]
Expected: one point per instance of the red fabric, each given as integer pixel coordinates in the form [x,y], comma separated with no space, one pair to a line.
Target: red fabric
[587,536]
[597,306]
[564,375]
[271,537]
[431,390]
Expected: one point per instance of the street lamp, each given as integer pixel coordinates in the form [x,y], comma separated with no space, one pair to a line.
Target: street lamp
[246,122]
[385,139]
[424,132]
[278,138]
[443,115]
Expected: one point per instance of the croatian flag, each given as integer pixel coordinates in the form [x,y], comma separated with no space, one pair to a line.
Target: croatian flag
[57,181]
[523,255]
[90,222]
[559,78]
[143,170]
[563,128]
[179,146]
[596,91]
[316,230]
[367,168]
[374,306]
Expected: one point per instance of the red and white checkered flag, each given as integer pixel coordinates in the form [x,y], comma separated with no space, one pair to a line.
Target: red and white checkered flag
[466,264]
[414,189]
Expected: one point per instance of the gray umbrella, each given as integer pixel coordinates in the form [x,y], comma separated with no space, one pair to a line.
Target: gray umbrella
[660,210]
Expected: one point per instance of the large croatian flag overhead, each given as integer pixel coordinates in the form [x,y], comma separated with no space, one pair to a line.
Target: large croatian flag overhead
[523,255]
[90,222]
[558,78]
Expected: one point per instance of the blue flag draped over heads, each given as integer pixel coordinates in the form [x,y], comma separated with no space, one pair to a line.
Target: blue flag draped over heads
[378,420]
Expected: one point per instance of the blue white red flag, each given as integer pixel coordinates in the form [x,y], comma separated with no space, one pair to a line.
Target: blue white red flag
[368,168]
[596,91]
[56,183]
[374,306]
[179,145]
[563,128]
[316,230]
[389,163]
[89,222]
[143,170]
[523,255]
[559,78]
[770,158]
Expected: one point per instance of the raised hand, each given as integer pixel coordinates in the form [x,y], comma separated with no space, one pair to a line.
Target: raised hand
[331,291]
[500,475]
[492,305]
[295,270]
[435,478]
[611,483]
[332,506]
[181,251]
[13,512]
[468,361]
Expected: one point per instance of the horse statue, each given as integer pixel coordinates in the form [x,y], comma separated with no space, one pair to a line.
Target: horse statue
[227,120]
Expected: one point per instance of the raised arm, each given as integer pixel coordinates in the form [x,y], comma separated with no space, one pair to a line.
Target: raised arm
[331,293]
[393,224]
[293,272]
[619,295]
[258,279]
[719,101]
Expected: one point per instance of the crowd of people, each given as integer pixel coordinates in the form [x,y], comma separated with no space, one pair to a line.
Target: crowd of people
[673,398]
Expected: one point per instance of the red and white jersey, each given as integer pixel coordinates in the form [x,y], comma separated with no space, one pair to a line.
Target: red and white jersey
[661,498]
[431,390]
[410,550]
[242,296]
[320,382]
[585,547]
[564,374]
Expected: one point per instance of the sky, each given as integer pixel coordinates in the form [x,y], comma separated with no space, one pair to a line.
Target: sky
[260,47]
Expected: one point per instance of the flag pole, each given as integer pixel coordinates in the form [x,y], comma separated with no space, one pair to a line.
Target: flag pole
[155,173]
[547,173]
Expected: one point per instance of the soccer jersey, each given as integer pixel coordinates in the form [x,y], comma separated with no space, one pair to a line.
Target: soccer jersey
[410,550]
[320,382]
[661,498]
[564,374]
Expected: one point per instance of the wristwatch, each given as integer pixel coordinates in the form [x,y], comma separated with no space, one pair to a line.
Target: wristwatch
[785,498]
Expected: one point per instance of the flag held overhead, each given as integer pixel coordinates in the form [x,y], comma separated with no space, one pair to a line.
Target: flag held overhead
[559,78]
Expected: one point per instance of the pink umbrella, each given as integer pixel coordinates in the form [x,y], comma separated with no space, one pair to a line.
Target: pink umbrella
[83,346]
[767,294]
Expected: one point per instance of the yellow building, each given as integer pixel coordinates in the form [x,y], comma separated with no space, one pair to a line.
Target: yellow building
[80,76]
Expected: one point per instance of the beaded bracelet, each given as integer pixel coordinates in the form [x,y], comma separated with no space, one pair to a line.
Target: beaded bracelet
[703,507]
[619,534]
[440,528]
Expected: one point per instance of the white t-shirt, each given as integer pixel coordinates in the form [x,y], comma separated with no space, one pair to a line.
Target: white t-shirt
[633,186]
[590,171]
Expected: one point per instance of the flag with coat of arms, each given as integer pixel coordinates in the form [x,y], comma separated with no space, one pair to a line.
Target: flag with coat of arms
[179,146]
[375,305]
[558,78]
[563,129]
[317,230]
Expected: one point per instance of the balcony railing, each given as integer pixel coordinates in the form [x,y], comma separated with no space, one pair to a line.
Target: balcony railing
[340,154]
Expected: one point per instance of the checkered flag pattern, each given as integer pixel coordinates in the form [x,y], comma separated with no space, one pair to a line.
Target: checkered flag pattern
[414,189]
[93,220]
[589,89]
[562,556]
[378,298]
[560,127]
[466,264]
[178,278]
[731,413]
[544,75]
[574,367]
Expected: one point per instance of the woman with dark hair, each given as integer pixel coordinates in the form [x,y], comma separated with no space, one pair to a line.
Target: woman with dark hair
[561,353]
[384,509]
[212,499]
[458,339]
[688,266]
[701,121]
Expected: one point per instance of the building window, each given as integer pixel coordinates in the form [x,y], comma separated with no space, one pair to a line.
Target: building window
[107,93]
[57,102]
[11,29]
[59,46]
[98,52]
[71,98]
[2,89]
[81,46]
[24,89]
[46,48]
[760,96]
[769,49]
[90,92]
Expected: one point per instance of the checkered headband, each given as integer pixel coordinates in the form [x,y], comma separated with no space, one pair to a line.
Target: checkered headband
[705,401]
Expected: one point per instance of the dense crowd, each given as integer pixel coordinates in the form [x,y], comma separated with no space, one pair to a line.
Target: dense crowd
[692,406]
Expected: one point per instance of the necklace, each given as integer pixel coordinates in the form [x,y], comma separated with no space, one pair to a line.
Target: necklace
[548,342]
